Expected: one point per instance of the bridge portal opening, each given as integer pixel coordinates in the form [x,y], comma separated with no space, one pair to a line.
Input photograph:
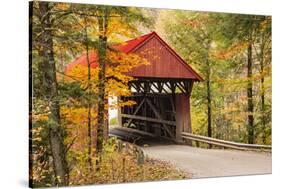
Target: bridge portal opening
[162,107]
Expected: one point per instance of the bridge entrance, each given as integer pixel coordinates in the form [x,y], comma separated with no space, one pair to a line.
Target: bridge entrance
[162,107]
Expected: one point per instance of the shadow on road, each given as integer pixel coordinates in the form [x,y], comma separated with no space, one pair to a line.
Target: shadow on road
[138,138]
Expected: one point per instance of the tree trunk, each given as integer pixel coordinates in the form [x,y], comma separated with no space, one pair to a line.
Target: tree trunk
[250,96]
[89,100]
[103,22]
[263,122]
[50,87]
[209,101]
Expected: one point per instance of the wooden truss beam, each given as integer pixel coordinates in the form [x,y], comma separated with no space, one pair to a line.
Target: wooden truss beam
[162,87]
[158,115]
[136,111]
[149,119]
[181,87]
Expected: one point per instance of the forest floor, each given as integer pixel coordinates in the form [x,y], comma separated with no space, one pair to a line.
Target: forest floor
[201,162]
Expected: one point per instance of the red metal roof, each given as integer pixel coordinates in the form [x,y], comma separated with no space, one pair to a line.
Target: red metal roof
[169,64]
[125,47]
[82,60]
[129,45]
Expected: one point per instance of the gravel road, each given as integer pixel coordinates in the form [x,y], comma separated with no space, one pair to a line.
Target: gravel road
[212,162]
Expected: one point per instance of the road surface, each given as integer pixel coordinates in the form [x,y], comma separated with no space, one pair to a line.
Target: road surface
[202,162]
[211,162]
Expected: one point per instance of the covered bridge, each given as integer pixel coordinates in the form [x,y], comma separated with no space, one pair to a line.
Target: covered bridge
[161,90]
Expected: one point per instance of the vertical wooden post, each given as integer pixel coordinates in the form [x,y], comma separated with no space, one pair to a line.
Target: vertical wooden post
[188,127]
[157,129]
[162,111]
[183,121]
[119,112]
[179,126]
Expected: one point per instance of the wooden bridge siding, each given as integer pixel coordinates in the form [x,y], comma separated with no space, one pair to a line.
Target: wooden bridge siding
[163,63]
[183,118]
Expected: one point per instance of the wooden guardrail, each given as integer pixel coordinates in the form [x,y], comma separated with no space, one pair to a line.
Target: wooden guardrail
[225,144]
